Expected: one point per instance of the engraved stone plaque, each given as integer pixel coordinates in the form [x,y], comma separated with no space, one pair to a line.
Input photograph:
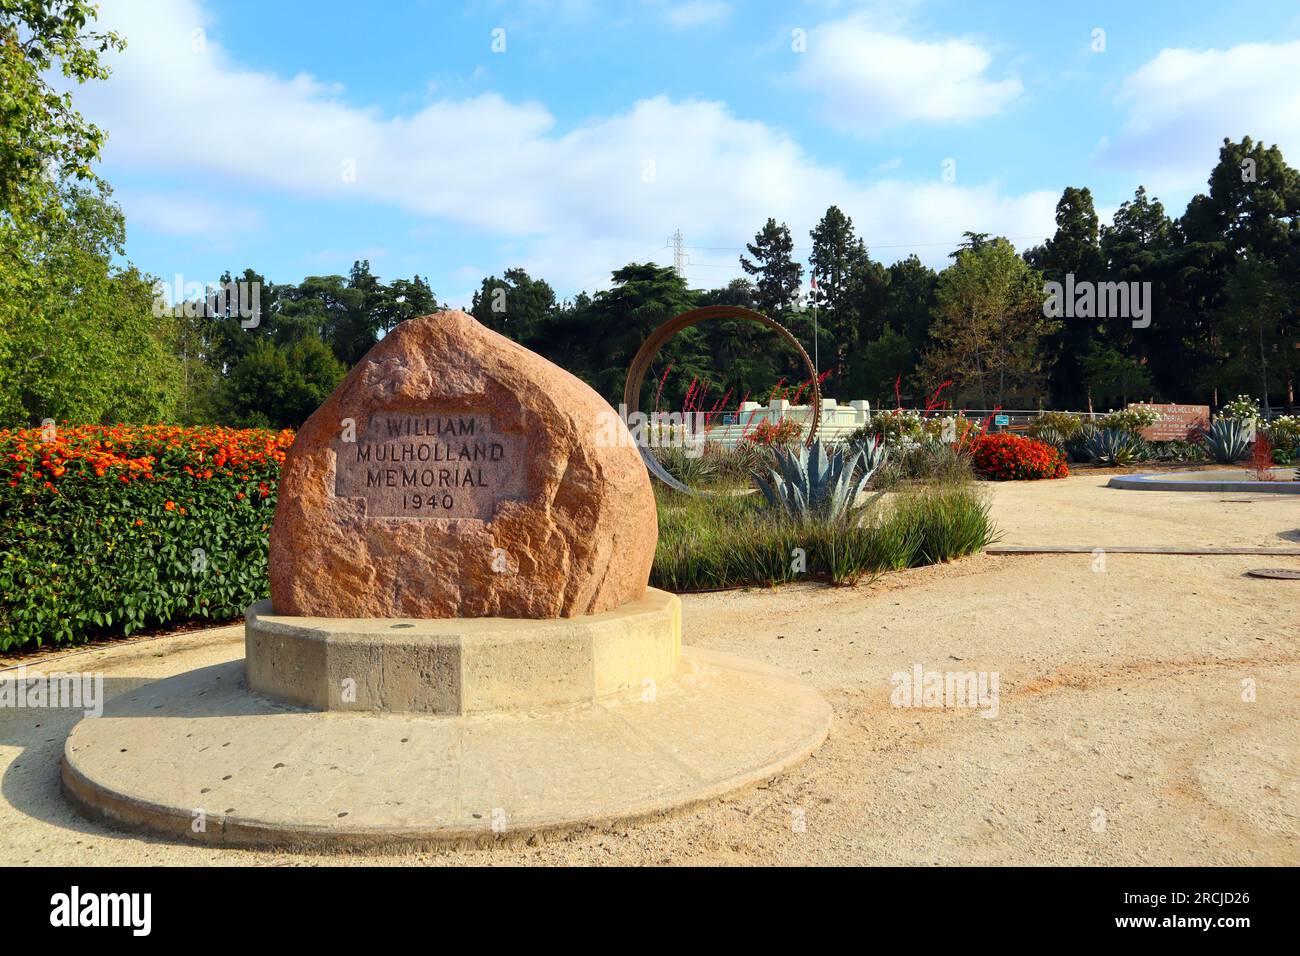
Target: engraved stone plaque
[430,464]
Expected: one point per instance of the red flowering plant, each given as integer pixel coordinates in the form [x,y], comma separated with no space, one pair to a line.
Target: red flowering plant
[1006,457]
[109,529]
[780,433]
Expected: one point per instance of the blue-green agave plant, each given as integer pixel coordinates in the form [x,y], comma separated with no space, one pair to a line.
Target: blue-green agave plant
[1227,441]
[874,452]
[810,481]
[1112,446]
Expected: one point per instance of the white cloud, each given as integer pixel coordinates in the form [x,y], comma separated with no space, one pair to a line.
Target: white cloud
[867,79]
[1180,105]
[576,203]
[179,214]
[696,13]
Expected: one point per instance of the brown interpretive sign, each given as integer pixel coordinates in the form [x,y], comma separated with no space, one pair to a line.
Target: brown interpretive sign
[1177,422]
[434,464]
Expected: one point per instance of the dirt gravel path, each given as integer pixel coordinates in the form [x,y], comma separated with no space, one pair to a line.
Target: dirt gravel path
[1125,731]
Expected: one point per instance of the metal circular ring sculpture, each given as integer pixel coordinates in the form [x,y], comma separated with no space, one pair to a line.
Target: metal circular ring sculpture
[650,348]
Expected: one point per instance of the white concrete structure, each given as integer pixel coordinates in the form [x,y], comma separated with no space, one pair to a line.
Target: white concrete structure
[837,423]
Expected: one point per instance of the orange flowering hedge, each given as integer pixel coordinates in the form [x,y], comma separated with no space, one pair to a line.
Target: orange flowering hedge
[107,530]
[1002,456]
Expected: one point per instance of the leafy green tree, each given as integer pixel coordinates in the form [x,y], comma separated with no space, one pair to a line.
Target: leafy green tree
[1074,249]
[851,292]
[516,305]
[882,362]
[1115,376]
[643,297]
[1138,246]
[1138,238]
[779,276]
[43,139]
[279,386]
[913,297]
[971,242]
[989,333]
[738,292]
[1076,245]
[67,313]
[404,299]
[80,340]
[836,255]
[1249,219]
[1259,318]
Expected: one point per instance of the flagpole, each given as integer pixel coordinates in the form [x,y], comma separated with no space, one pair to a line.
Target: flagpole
[812,281]
[816,345]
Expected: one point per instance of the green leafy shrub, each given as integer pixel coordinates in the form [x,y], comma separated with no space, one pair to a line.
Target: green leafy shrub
[893,427]
[1064,424]
[107,530]
[1179,450]
[1242,409]
[1284,433]
[1131,420]
[928,461]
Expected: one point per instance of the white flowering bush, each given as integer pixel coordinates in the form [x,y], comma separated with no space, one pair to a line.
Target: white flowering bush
[1284,432]
[1242,409]
[1130,419]
[903,428]
[896,426]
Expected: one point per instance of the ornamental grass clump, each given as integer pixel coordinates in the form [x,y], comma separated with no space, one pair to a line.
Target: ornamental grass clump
[731,541]
[1063,424]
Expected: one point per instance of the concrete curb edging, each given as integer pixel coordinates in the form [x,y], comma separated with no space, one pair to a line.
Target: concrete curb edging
[1155,482]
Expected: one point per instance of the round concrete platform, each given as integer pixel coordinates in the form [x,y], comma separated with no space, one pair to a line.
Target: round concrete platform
[1233,481]
[197,757]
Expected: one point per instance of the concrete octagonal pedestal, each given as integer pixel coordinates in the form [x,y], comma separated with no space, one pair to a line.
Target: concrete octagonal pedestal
[471,730]
[462,665]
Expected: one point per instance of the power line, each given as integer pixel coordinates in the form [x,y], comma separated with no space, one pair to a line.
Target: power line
[872,245]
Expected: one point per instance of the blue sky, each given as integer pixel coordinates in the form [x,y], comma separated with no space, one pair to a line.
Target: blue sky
[296,137]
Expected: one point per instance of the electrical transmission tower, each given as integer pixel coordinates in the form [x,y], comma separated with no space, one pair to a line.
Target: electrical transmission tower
[679,254]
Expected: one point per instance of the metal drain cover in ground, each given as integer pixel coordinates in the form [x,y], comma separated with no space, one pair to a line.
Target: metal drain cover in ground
[1286,574]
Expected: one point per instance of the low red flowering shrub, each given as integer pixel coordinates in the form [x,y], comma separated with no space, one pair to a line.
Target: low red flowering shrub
[784,432]
[106,530]
[1006,457]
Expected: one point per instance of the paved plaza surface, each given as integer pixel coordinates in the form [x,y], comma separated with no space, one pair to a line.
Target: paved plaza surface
[1121,735]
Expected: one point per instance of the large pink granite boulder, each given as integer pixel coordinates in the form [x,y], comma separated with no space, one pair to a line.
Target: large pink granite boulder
[454,473]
